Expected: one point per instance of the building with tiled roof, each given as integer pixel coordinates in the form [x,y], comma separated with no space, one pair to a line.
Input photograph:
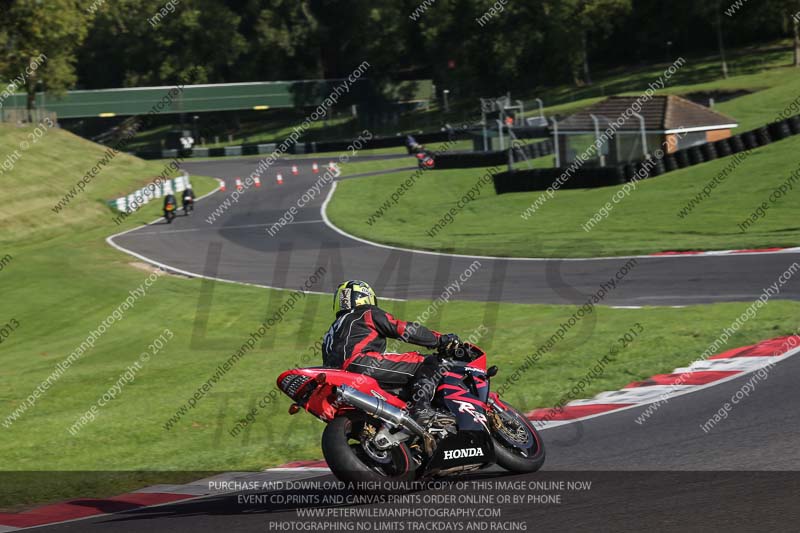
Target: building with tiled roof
[668,123]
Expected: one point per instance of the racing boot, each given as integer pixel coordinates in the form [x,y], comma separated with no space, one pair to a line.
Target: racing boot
[422,411]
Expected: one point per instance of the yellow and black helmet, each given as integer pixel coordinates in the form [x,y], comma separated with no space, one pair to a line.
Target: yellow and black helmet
[353,293]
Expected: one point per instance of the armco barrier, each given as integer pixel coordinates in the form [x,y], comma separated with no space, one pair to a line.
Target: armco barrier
[587,178]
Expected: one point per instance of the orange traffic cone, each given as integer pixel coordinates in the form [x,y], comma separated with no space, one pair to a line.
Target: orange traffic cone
[315,168]
[295,172]
[257,180]
[222,185]
[239,186]
[279,178]
[331,165]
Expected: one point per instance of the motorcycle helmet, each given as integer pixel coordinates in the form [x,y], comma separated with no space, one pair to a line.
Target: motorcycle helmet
[353,293]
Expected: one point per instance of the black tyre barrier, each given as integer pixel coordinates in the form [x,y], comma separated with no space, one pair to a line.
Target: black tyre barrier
[539,179]
[779,130]
[532,151]
[619,174]
[149,154]
[651,167]
[762,134]
[470,160]
[384,142]
[531,132]
[216,152]
[696,155]
[737,144]
[709,151]
[630,171]
[670,163]
[659,168]
[682,158]
[723,147]
[750,140]
[794,124]
[249,149]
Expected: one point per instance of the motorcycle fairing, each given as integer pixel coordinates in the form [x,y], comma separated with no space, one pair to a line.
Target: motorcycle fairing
[460,450]
[320,399]
[464,391]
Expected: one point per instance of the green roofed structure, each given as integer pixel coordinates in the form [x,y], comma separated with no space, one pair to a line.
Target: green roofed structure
[215,97]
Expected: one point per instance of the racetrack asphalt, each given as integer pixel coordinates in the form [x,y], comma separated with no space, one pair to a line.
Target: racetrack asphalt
[237,247]
[666,474]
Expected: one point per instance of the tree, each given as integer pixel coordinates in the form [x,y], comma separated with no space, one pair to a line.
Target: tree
[128,46]
[39,44]
[789,11]
[578,21]
[720,40]
[795,22]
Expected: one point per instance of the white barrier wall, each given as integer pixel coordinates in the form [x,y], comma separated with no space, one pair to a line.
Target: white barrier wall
[157,189]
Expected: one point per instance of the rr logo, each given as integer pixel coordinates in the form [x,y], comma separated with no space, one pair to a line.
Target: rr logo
[469,408]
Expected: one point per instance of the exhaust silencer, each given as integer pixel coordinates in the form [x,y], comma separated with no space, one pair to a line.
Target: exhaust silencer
[379,409]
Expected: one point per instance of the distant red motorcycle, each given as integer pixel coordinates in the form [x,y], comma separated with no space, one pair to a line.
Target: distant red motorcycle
[371,437]
[169,213]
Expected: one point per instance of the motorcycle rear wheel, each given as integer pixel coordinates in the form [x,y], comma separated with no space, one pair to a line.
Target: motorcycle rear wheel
[517,444]
[350,460]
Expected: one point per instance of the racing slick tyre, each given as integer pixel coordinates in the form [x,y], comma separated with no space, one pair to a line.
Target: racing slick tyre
[353,459]
[517,445]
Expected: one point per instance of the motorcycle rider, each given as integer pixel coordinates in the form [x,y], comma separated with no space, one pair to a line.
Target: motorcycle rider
[356,342]
[169,199]
[187,198]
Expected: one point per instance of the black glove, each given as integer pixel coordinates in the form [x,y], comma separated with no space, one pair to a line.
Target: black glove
[448,344]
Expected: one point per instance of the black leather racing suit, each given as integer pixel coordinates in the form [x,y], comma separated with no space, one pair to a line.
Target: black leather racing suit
[356,342]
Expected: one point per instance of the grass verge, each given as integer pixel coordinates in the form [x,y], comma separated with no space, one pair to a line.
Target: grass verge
[647,220]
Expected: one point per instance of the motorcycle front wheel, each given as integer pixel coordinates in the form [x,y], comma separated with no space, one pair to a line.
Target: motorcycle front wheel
[517,444]
[352,457]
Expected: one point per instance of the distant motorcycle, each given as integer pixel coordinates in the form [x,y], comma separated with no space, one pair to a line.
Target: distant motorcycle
[188,201]
[371,437]
[170,206]
[169,213]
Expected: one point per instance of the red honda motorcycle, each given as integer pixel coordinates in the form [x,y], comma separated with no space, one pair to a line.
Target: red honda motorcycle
[370,437]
